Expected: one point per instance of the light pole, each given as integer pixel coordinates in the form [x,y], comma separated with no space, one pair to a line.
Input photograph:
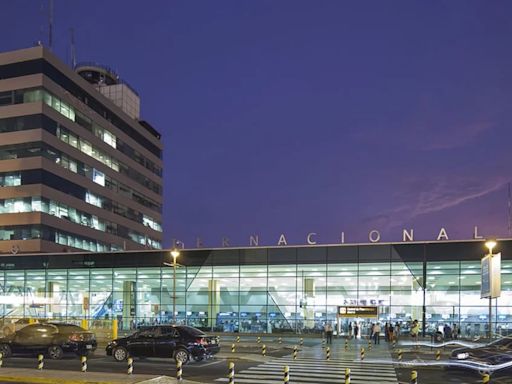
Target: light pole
[174,253]
[490,244]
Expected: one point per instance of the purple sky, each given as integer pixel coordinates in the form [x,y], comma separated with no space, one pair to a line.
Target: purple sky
[310,116]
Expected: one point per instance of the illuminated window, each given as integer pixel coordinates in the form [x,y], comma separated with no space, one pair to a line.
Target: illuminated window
[98,177]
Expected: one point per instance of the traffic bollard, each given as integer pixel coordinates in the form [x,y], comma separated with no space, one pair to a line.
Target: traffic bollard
[83,360]
[130,365]
[347,375]
[323,342]
[259,340]
[294,353]
[231,373]
[362,353]
[414,377]
[232,348]
[238,339]
[369,345]
[485,378]
[301,341]
[264,350]
[40,361]
[438,354]
[280,340]
[346,344]
[400,355]
[1,359]
[328,354]
[286,378]
[179,372]
[394,344]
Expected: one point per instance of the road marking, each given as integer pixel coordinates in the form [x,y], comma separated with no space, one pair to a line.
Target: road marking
[213,362]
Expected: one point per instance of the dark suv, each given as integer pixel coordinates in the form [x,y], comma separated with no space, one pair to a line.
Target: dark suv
[177,341]
[52,339]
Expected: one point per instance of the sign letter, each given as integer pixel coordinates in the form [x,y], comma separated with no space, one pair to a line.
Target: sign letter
[282,240]
[199,242]
[225,242]
[476,235]
[374,236]
[442,235]
[254,240]
[342,237]
[310,240]
[408,236]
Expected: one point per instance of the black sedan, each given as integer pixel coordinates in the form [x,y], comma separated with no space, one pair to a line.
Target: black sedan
[52,339]
[179,342]
[495,353]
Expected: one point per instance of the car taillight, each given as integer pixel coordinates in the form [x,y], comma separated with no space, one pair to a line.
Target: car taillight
[201,341]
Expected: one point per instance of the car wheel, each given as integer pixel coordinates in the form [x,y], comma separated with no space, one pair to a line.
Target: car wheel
[120,354]
[5,350]
[55,352]
[181,355]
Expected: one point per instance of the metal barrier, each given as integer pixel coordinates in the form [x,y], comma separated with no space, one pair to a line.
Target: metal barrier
[40,362]
[83,360]
[231,373]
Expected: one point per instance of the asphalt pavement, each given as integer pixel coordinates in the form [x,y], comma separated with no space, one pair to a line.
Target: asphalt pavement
[251,366]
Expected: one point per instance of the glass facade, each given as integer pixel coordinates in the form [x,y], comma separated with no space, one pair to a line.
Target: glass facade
[267,290]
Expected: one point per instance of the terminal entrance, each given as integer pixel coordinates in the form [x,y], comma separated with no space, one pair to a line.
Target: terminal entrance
[356,321]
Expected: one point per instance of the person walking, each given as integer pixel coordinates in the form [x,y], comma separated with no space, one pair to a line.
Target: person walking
[328,332]
[376,334]
[350,330]
[356,331]
[415,329]
[386,331]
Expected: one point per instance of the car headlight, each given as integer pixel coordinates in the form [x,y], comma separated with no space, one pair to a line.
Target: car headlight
[462,356]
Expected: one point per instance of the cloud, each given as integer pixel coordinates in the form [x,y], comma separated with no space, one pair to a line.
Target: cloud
[441,193]
[456,136]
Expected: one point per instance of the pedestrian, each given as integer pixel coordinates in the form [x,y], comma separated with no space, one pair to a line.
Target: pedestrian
[386,331]
[397,331]
[391,336]
[328,332]
[356,330]
[415,329]
[376,333]
[350,330]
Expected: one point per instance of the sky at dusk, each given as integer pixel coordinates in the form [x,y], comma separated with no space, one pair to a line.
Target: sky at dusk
[289,117]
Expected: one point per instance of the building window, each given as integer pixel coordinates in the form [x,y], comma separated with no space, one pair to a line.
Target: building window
[98,177]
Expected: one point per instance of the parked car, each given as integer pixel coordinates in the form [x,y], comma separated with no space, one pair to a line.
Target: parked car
[497,352]
[10,328]
[52,339]
[177,341]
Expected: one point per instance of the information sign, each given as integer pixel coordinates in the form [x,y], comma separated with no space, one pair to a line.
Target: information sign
[358,311]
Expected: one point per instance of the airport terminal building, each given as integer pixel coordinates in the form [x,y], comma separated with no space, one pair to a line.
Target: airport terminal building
[263,289]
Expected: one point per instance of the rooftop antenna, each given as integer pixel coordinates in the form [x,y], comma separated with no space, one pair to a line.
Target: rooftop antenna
[50,24]
[73,50]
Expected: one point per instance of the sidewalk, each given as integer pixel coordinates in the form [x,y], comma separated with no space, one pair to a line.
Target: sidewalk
[21,375]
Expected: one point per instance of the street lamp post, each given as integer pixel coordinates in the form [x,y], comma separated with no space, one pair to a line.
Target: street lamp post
[490,244]
[174,253]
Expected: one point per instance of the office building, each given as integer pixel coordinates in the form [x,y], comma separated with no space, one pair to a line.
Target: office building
[79,169]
